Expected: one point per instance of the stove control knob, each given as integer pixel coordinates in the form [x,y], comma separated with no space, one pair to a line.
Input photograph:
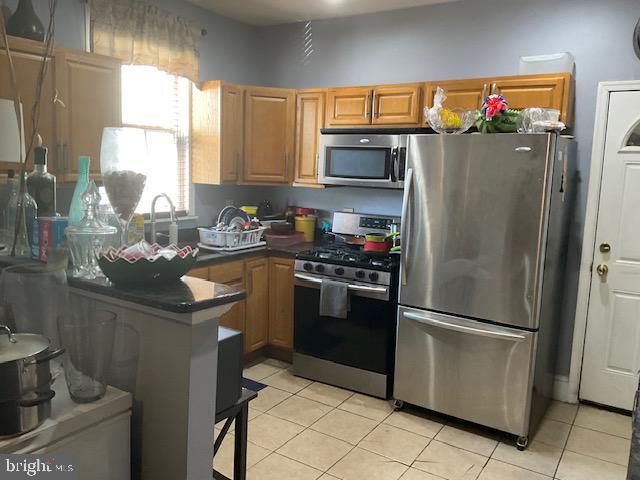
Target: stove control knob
[373,276]
[339,271]
[359,274]
[308,266]
[319,268]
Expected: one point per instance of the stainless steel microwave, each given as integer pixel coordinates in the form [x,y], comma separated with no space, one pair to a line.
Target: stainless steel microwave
[362,160]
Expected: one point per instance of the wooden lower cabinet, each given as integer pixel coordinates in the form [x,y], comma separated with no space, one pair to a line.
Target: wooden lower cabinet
[281,302]
[256,333]
[266,316]
[231,274]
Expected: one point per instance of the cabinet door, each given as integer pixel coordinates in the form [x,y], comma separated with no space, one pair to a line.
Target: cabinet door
[269,129]
[281,302]
[257,304]
[309,121]
[27,59]
[232,274]
[90,88]
[397,104]
[466,94]
[232,123]
[545,91]
[202,273]
[349,107]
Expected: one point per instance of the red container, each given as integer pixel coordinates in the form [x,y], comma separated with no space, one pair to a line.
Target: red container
[377,246]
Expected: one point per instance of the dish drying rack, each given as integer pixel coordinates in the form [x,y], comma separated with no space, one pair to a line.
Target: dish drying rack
[223,241]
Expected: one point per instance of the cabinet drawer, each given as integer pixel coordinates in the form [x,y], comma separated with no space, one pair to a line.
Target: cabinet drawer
[446,364]
[202,273]
[227,273]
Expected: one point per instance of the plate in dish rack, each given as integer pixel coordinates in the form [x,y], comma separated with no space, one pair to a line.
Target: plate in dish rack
[232,249]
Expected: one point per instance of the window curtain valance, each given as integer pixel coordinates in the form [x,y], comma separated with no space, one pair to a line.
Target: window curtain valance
[143,34]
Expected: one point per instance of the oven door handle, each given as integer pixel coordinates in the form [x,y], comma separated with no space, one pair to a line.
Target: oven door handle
[353,288]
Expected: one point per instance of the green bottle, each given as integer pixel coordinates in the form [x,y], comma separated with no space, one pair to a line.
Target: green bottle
[76,210]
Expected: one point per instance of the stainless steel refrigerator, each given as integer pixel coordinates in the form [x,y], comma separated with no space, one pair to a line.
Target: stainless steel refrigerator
[485,228]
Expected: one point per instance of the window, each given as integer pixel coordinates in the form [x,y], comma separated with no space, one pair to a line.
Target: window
[159,103]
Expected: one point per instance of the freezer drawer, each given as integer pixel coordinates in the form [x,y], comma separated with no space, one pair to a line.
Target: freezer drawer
[467,369]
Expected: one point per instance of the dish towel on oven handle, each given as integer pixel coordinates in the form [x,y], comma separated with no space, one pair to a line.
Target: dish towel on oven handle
[334,299]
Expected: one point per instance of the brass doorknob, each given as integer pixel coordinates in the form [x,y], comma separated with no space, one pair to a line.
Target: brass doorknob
[602,269]
[605,247]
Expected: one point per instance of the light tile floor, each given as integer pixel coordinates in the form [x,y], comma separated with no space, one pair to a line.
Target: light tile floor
[307,430]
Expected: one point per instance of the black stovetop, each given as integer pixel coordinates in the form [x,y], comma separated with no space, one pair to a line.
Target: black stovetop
[352,256]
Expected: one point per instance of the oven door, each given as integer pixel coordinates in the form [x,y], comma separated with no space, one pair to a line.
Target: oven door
[365,339]
[362,160]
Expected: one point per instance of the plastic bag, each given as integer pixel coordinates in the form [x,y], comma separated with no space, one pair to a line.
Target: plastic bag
[540,120]
[445,120]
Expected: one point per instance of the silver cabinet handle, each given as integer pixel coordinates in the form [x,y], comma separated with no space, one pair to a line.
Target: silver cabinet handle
[408,183]
[484,94]
[494,88]
[354,288]
[491,333]
[374,112]
[366,107]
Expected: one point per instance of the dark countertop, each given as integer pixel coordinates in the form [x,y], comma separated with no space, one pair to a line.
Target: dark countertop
[206,257]
[189,295]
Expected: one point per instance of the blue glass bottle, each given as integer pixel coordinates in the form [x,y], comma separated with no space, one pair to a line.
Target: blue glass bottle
[76,210]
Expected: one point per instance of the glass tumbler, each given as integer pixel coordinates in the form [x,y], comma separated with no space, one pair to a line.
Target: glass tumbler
[32,298]
[87,334]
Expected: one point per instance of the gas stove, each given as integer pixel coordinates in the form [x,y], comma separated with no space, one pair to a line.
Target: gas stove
[343,262]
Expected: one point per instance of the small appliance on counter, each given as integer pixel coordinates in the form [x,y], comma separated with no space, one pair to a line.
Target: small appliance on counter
[345,305]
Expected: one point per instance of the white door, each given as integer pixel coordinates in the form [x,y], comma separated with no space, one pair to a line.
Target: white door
[612,347]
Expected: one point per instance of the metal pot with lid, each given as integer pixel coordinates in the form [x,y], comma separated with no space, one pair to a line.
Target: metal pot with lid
[25,377]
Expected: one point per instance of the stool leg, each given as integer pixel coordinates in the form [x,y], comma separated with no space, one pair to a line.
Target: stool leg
[240,454]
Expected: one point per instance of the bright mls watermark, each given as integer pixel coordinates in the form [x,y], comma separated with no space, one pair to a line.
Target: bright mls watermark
[45,466]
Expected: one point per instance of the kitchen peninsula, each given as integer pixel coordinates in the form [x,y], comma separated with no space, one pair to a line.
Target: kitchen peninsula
[165,355]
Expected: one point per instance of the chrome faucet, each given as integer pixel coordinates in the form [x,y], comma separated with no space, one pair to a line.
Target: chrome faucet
[173,228]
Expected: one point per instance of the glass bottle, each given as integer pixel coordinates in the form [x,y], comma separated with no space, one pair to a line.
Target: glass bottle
[76,210]
[87,238]
[28,215]
[41,185]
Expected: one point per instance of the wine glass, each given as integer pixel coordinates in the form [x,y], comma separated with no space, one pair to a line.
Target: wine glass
[124,166]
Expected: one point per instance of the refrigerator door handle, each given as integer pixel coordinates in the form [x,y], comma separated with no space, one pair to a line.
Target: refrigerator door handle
[485,332]
[405,224]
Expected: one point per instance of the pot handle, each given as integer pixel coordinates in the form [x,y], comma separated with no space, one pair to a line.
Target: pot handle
[41,398]
[50,356]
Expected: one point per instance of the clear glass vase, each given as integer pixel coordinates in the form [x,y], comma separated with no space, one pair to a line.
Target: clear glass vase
[124,166]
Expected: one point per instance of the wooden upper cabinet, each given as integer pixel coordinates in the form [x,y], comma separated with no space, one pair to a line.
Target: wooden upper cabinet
[281,302]
[309,120]
[27,59]
[269,131]
[466,94]
[553,90]
[546,91]
[217,127]
[89,86]
[232,137]
[256,304]
[349,106]
[397,104]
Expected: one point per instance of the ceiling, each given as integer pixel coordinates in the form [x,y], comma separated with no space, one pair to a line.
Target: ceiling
[275,12]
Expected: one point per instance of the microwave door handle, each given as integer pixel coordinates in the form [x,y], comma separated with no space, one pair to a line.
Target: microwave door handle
[395,159]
